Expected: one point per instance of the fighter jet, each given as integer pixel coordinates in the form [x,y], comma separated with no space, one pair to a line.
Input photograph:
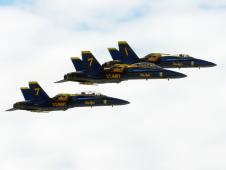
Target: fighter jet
[127,55]
[89,71]
[36,100]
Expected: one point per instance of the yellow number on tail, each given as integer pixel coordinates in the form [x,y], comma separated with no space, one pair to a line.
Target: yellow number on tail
[126,51]
[37,91]
[90,60]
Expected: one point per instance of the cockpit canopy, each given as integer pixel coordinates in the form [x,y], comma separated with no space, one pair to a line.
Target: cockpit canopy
[155,56]
[64,97]
[184,55]
[91,93]
[145,65]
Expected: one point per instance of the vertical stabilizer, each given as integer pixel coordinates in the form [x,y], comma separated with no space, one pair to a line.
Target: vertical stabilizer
[78,63]
[92,65]
[27,93]
[38,92]
[127,52]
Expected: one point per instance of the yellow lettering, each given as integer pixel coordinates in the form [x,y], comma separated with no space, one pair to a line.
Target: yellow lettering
[89,102]
[90,60]
[145,75]
[59,104]
[113,76]
[37,91]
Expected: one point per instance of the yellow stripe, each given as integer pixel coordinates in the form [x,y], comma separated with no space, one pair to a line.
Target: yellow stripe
[24,88]
[33,82]
[110,49]
[86,52]
[75,58]
[122,42]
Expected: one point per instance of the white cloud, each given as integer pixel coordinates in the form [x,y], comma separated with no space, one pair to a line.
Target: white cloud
[178,124]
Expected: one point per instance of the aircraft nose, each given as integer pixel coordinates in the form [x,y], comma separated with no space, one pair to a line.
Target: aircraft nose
[124,102]
[180,75]
[174,74]
[119,102]
[203,63]
[210,64]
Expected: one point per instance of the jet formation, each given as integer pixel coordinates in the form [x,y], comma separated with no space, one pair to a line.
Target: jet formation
[125,65]
[90,71]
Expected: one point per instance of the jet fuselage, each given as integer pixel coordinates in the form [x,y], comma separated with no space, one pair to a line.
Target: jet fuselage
[116,75]
[180,61]
[57,103]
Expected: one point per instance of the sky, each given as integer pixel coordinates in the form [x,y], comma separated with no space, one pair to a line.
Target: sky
[176,124]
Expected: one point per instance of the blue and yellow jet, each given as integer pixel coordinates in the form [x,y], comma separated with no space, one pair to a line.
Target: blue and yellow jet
[36,100]
[89,71]
[126,55]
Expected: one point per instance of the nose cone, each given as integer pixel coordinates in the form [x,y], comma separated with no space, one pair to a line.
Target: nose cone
[123,102]
[115,101]
[203,63]
[210,64]
[174,74]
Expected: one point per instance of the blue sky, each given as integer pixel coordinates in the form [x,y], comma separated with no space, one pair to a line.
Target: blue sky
[6,2]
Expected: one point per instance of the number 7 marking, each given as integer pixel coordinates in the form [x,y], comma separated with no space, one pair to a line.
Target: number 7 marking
[90,60]
[37,91]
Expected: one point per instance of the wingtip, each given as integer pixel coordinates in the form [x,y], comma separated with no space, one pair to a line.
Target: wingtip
[60,81]
[9,110]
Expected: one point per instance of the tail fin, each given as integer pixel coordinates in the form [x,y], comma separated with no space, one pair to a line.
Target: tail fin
[92,65]
[115,54]
[127,51]
[78,63]
[38,92]
[27,93]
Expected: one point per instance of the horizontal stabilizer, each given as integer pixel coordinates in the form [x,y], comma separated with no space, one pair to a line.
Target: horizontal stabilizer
[60,81]
[12,109]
